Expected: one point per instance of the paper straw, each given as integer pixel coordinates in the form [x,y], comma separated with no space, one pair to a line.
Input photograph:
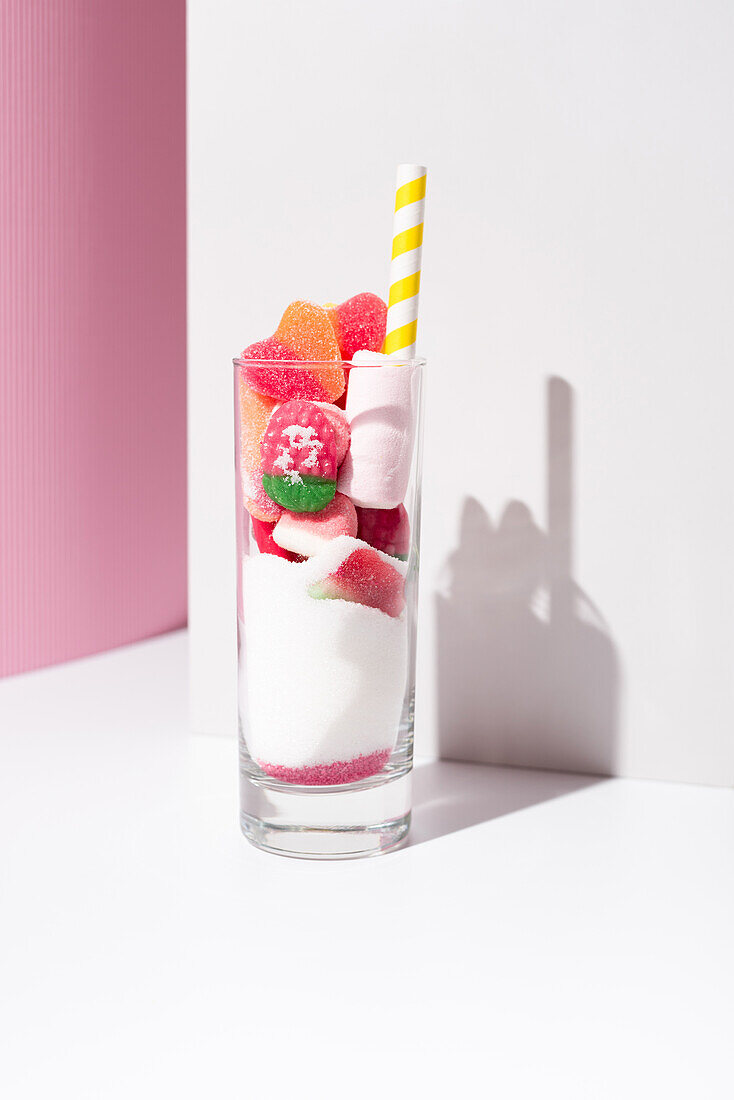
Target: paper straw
[405,268]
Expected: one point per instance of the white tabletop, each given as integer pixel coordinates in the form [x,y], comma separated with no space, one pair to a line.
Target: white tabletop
[543,935]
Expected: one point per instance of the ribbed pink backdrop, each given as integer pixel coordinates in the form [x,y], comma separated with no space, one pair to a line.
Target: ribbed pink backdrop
[92,326]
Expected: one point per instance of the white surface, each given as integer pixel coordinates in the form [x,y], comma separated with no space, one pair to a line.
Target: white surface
[525,945]
[578,225]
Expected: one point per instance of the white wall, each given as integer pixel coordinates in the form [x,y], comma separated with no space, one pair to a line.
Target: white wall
[579,226]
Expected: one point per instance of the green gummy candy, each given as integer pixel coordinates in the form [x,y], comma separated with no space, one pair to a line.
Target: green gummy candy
[309,494]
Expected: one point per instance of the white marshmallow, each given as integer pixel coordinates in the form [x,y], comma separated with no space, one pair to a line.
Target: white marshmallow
[382,402]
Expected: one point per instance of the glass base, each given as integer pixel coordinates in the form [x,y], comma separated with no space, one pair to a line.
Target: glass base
[344,822]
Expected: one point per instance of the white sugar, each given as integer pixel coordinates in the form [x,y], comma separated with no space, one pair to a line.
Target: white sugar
[325,678]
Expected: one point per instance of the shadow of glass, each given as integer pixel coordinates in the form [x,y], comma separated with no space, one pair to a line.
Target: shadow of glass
[451,796]
[527,672]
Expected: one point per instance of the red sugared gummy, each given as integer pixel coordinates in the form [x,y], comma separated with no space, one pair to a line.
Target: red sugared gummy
[270,349]
[364,577]
[341,402]
[339,422]
[359,324]
[305,332]
[299,457]
[387,529]
[263,533]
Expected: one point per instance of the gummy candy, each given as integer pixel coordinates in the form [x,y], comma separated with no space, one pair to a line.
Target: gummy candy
[359,324]
[299,457]
[341,402]
[268,349]
[255,413]
[363,577]
[387,529]
[339,422]
[263,534]
[256,500]
[304,333]
[306,533]
[306,329]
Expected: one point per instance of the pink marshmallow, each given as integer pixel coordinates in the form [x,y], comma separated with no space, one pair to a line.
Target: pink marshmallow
[306,533]
[381,405]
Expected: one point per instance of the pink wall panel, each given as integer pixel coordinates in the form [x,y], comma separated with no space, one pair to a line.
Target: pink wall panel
[92,326]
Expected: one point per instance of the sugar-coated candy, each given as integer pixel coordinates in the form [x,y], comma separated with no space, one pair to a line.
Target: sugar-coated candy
[266,544]
[359,324]
[381,402]
[299,457]
[256,500]
[255,413]
[363,577]
[306,533]
[306,329]
[305,332]
[338,420]
[341,402]
[387,529]
[270,349]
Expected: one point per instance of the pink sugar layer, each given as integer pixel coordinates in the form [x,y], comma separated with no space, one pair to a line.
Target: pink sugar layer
[329,775]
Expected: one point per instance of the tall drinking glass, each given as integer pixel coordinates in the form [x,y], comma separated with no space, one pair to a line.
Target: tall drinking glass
[327,607]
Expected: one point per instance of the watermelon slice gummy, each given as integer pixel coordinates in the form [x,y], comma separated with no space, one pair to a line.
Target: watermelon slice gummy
[305,333]
[299,457]
[308,532]
[363,577]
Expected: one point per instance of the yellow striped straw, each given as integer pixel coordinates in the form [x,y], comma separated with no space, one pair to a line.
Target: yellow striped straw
[405,268]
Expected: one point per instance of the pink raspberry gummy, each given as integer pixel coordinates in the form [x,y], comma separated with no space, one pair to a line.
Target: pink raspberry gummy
[306,533]
[387,529]
[305,333]
[359,324]
[299,457]
[363,577]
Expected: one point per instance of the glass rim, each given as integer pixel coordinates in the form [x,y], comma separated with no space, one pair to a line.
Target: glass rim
[306,364]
